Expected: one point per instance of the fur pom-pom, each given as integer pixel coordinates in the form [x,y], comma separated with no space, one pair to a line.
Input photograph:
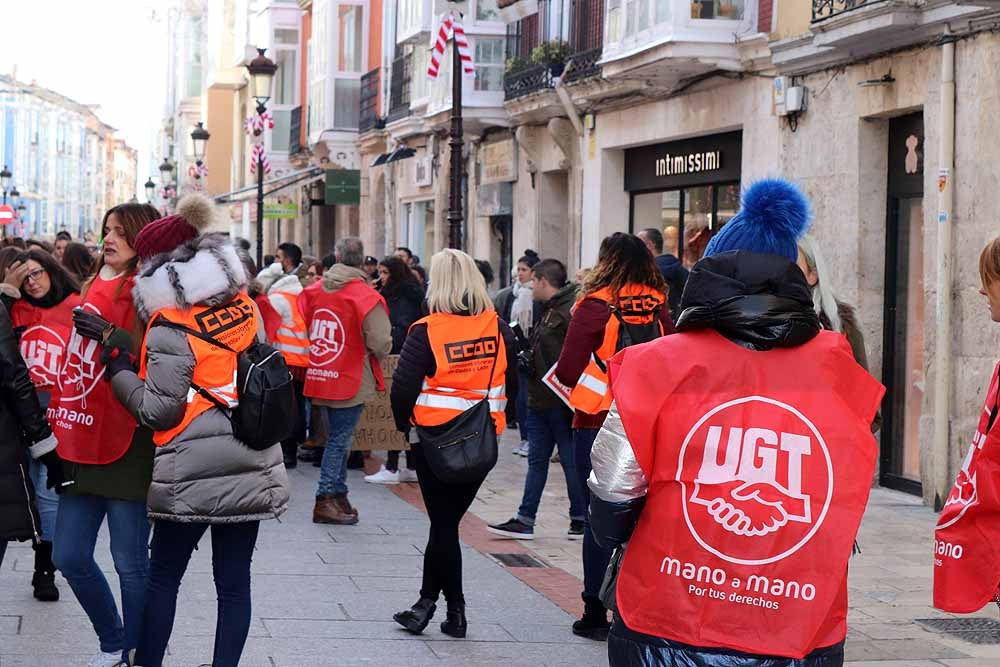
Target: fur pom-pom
[198,211]
[776,208]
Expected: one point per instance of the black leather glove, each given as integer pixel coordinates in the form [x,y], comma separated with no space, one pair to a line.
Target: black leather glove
[54,467]
[116,358]
[91,325]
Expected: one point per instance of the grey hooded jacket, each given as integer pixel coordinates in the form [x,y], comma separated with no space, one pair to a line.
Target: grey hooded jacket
[204,474]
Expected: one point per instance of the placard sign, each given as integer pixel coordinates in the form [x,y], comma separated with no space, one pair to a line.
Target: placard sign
[376,430]
[558,388]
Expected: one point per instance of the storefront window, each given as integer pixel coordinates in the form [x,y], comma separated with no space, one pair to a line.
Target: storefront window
[731,10]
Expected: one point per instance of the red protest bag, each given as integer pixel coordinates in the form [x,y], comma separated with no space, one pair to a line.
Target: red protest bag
[966,563]
[759,467]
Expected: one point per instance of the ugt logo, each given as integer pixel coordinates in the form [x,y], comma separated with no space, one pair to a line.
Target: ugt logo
[43,349]
[757,480]
[82,370]
[326,338]
[965,493]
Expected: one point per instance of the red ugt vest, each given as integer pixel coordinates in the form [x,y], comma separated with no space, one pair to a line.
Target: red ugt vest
[44,341]
[91,425]
[966,558]
[337,352]
[759,467]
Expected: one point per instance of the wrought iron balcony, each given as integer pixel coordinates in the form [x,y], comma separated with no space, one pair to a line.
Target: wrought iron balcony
[368,117]
[824,9]
[399,88]
[542,77]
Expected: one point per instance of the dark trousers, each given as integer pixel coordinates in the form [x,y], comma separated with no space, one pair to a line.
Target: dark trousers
[392,461]
[595,558]
[446,505]
[173,543]
[290,446]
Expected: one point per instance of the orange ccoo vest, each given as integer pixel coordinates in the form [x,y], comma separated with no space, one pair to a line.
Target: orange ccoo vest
[637,304]
[292,339]
[465,348]
[233,324]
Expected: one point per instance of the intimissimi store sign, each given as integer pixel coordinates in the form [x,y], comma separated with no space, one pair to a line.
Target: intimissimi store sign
[678,164]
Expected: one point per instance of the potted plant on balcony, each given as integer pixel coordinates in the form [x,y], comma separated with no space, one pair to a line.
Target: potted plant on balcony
[552,54]
[516,64]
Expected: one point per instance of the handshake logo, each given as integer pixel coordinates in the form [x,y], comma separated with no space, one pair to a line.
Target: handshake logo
[766,486]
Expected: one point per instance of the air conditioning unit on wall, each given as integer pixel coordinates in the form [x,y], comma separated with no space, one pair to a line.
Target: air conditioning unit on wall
[422,174]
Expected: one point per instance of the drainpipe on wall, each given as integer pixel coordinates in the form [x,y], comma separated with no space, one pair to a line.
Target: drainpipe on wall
[942,341]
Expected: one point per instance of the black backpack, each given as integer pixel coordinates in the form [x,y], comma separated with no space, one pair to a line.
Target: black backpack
[267,409]
[630,334]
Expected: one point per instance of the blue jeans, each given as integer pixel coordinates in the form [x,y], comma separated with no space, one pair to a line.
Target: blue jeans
[595,558]
[340,423]
[548,429]
[173,544]
[46,499]
[521,404]
[77,525]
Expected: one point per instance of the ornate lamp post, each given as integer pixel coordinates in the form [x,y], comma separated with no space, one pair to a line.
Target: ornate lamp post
[262,70]
[150,188]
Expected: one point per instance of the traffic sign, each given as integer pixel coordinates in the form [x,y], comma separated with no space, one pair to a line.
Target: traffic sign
[6,214]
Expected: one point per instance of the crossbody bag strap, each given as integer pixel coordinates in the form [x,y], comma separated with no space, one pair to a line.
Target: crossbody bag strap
[500,342]
[163,322]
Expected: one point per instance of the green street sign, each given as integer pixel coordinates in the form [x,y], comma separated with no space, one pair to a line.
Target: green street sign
[343,186]
[280,210]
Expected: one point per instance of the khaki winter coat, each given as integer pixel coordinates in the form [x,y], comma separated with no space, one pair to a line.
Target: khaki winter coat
[204,474]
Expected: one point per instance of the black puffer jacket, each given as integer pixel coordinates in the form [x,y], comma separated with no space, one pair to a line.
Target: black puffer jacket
[406,306]
[760,302]
[22,423]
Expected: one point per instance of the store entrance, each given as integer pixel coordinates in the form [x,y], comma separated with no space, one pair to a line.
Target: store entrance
[687,217]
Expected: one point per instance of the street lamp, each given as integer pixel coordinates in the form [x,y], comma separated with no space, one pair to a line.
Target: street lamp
[199,137]
[455,143]
[150,187]
[165,169]
[261,71]
[14,195]
[5,177]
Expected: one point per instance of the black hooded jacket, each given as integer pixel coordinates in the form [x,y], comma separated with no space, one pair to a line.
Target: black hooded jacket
[761,302]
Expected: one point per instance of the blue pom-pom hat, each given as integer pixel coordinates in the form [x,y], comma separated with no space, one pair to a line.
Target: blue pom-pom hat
[774,213]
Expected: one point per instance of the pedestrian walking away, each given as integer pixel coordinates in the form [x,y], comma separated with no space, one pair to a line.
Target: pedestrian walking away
[109,457]
[549,418]
[204,477]
[453,359]
[715,457]
[623,303]
[674,273]
[349,334]
[43,318]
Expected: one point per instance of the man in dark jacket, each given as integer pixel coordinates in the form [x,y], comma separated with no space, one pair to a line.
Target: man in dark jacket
[549,418]
[673,271]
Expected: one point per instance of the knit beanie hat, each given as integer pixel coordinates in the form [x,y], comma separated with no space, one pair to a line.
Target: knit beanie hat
[195,214]
[773,214]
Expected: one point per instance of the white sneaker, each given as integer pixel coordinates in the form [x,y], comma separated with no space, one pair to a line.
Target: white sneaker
[407,475]
[523,449]
[383,476]
[106,660]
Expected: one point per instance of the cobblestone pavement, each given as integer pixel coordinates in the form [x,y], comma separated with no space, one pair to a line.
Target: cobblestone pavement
[325,595]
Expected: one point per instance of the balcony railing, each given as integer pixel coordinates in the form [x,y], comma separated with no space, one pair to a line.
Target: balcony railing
[295,131]
[542,77]
[824,9]
[399,89]
[369,118]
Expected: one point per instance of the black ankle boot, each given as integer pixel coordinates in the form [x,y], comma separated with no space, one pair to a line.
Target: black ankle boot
[44,580]
[416,618]
[594,624]
[455,624]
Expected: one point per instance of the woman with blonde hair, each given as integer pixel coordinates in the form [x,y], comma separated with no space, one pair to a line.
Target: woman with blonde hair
[451,361]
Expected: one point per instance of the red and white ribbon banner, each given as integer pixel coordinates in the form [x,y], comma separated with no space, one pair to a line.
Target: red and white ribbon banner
[257,123]
[258,153]
[450,28]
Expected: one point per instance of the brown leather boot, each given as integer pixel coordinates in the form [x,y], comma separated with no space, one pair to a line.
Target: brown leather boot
[327,510]
[340,499]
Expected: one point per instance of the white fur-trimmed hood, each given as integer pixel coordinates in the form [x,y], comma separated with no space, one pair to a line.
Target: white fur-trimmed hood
[273,279]
[205,270]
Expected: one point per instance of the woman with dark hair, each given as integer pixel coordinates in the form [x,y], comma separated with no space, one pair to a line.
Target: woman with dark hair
[78,261]
[627,283]
[43,317]
[109,461]
[405,298]
[314,270]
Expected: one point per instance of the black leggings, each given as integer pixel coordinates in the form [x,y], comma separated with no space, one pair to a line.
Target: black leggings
[446,505]
[392,461]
